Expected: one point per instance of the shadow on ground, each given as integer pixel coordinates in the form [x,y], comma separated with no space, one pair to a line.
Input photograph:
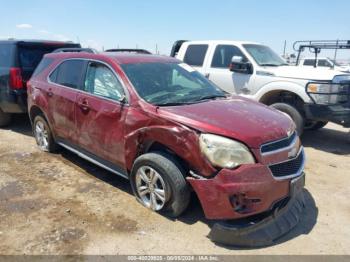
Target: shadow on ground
[20,124]
[307,222]
[328,140]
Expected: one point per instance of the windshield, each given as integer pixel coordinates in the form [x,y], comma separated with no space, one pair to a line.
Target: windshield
[170,83]
[264,56]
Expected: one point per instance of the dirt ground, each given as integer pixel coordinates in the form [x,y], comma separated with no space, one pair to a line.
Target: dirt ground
[61,204]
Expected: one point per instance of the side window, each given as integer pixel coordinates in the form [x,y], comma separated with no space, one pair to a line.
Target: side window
[45,62]
[195,54]
[324,63]
[223,55]
[69,73]
[309,62]
[101,81]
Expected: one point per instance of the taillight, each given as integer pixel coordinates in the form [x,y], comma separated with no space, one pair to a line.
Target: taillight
[16,81]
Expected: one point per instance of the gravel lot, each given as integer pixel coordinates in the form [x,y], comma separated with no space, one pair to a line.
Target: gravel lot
[61,204]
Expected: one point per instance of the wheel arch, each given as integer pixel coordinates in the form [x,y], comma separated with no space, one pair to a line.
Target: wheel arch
[178,141]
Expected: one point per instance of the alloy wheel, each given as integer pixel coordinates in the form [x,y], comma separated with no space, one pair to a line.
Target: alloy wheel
[42,135]
[151,188]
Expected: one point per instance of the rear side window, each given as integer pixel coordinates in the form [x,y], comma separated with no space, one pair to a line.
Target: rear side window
[309,62]
[223,55]
[30,57]
[42,66]
[6,55]
[195,54]
[69,73]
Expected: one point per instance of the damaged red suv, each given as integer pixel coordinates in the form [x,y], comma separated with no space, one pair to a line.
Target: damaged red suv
[157,122]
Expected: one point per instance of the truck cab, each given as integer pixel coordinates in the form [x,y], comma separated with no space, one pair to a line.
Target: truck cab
[310,96]
[323,62]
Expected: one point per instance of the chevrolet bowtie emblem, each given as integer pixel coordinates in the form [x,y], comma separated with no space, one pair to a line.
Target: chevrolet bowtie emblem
[292,153]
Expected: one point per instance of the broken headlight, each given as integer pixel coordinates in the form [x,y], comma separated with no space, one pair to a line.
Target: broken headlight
[223,152]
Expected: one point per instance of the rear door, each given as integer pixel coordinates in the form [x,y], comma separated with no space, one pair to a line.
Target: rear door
[61,92]
[195,56]
[100,114]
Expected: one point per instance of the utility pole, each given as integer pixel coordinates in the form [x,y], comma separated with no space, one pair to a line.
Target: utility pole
[284,48]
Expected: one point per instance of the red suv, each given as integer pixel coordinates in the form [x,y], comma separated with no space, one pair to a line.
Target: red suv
[157,122]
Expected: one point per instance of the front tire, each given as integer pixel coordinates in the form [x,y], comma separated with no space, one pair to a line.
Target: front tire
[293,113]
[158,183]
[43,135]
[316,125]
[5,118]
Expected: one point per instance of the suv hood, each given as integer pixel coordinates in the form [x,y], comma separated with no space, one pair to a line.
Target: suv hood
[238,118]
[307,73]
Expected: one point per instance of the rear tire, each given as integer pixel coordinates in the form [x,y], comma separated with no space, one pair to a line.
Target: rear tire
[43,135]
[5,118]
[176,190]
[293,113]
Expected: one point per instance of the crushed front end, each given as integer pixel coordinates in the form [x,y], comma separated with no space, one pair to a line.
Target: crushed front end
[266,195]
[330,100]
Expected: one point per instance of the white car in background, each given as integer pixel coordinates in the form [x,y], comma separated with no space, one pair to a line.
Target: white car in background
[324,62]
[310,96]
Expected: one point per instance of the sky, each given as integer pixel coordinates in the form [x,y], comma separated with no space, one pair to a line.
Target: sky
[147,24]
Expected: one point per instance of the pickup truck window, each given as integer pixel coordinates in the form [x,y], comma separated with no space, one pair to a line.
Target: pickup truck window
[309,62]
[223,55]
[264,56]
[195,54]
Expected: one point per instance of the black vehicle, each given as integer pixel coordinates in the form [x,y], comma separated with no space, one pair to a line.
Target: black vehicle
[18,60]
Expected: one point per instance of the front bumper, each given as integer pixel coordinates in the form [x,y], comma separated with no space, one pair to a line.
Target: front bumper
[333,113]
[246,191]
[264,231]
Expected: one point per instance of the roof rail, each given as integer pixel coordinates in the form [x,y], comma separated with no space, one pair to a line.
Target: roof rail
[75,50]
[315,46]
[128,50]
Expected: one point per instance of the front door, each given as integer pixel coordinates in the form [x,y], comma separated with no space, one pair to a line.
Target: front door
[100,114]
[219,73]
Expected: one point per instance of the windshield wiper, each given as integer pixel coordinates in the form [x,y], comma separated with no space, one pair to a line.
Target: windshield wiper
[268,64]
[207,97]
[173,103]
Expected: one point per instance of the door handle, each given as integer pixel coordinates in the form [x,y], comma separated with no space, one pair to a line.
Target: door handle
[49,92]
[84,105]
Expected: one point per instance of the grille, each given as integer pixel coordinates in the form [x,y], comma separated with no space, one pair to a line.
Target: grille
[288,168]
[278,144]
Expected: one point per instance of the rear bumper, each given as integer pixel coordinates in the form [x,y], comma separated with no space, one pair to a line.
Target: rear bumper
[333,113]
[13,101]
[243,192]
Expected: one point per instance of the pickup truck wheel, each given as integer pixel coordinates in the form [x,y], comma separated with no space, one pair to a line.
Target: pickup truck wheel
[316,125]
[293,113]
[5,118]
[158,183]
[43,135]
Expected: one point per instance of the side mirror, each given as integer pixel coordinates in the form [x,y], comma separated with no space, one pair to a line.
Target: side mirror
[238,65]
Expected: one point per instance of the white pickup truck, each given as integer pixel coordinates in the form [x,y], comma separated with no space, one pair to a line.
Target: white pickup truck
[310,96]
[323,62]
